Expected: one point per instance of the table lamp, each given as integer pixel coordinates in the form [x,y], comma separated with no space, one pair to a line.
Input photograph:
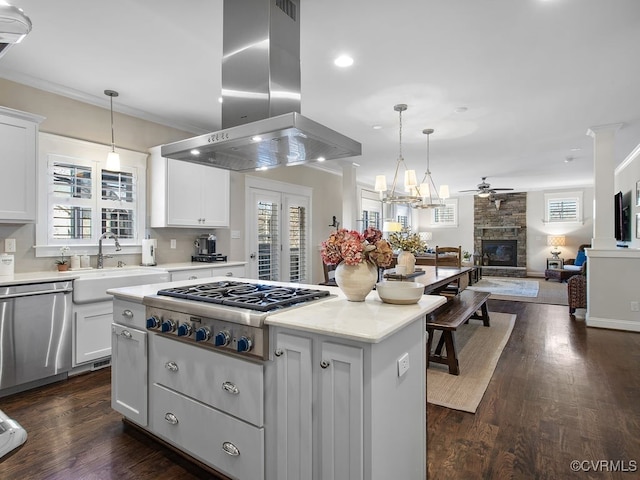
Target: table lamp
[555,241]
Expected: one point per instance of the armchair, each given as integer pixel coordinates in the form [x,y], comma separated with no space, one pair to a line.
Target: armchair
[577,284]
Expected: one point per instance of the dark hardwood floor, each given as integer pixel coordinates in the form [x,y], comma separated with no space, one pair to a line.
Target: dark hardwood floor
[561,392]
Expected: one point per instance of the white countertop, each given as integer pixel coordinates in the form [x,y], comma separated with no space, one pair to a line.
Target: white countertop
[55,276]
[370,321]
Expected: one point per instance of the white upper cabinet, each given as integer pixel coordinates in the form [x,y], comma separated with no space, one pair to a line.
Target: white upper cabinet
[187,194]
[18,161]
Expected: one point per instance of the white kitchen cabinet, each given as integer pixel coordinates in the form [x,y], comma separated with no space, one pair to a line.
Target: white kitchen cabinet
[18,161]
[308,368]
[332,394]
[129,377]
[214,271]
[92,328]
[185,194]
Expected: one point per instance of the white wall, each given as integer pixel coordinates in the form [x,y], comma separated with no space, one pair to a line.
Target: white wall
[537,230]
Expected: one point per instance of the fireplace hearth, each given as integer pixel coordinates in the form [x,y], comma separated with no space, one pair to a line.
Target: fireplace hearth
[500,253]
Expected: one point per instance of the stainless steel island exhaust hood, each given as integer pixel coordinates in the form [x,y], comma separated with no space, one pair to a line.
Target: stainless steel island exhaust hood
[261,123]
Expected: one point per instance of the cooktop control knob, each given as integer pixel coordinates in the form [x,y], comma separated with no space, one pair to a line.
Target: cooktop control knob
[184,330]
[168,326]
[203,334]
[153,322]
[244,344]
[222,339]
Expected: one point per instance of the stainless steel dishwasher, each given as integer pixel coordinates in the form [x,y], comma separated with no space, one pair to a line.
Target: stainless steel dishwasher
[35,334]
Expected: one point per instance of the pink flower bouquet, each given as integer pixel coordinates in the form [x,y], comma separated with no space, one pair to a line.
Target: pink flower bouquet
[352,248]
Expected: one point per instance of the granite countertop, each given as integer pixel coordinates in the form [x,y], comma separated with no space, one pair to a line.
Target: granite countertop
[370,321]
[55,276]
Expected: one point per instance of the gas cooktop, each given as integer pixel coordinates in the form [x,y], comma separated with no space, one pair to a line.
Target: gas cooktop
[254,296]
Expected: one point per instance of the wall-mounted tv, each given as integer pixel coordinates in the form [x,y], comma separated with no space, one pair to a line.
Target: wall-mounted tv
[622,217]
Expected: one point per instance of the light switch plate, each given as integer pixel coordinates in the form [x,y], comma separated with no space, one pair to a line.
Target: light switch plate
[172,243]
[10,245]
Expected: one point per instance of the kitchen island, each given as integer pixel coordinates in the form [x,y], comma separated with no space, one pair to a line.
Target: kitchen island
[338,392]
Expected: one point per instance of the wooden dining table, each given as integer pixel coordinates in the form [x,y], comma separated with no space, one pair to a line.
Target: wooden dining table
[434,279]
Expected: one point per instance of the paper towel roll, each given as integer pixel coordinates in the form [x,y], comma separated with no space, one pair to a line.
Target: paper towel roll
[6,264]
[149,251]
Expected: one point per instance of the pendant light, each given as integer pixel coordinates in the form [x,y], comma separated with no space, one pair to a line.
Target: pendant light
[410,181]
[113,159]
[430,196]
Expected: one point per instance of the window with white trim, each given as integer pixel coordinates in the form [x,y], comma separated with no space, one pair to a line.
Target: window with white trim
[446,216]
[83,199]
[563,207]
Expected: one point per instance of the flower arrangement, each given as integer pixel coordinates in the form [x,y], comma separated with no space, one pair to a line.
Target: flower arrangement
[62,260]
[407,242]
[352,248]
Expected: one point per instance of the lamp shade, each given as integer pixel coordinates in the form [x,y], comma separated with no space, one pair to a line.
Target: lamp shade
[391,227]
[381,183]
[556,240]
[113,161]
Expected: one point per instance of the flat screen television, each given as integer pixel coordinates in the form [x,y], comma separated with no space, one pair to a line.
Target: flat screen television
[621,218]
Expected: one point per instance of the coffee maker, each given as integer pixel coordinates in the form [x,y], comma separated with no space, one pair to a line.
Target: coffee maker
[206,250]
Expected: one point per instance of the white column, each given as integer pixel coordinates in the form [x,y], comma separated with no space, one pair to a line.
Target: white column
[350,198]
[603,171]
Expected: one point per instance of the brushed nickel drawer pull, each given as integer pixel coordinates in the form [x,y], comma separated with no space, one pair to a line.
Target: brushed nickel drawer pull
[171,418]
[230,388]
[278,352]
[127,314]
[230,449]
[126,334]
[324,364]
[171,366]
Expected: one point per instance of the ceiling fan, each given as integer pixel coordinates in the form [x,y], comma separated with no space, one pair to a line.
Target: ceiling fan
[484,189]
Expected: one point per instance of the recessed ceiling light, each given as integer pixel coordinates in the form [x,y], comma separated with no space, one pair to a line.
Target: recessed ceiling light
[343,61]
[257,138]
[461,109]
[195,152]
[377,127]
[321,159]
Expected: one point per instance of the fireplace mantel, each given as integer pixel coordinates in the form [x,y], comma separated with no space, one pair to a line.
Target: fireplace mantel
[514,228]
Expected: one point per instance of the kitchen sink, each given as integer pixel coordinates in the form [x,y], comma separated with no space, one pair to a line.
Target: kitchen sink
[92,285]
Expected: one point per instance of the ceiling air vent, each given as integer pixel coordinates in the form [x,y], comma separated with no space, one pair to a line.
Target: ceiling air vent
[288,7]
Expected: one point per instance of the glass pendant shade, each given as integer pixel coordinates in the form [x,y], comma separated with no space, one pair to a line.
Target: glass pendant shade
[113,161]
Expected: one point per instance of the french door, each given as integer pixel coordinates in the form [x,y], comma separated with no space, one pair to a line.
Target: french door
[278,228]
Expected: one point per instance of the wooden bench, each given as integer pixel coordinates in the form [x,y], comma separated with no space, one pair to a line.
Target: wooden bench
[457,311]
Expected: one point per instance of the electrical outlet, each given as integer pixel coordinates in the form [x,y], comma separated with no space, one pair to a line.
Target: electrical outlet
[403,364]
[235,234]
[10,245]
[173,243]
[635,307]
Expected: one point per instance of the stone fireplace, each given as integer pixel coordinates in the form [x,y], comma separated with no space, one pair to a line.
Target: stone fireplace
[500,235]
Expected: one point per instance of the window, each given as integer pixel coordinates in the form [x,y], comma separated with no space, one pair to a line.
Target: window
[563,207]
[446,216]
[370,209]
[83,199]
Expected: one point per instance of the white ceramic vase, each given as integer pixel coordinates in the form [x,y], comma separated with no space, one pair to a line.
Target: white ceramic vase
[408,260]
[356,281]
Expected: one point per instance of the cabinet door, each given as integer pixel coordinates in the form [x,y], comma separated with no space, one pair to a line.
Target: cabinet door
[129,373]
[214,201]
[294,413]
[92,331]
[341,412]
[183,193]
[18,140]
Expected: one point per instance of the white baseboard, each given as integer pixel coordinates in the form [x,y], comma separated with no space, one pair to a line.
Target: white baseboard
[612,323]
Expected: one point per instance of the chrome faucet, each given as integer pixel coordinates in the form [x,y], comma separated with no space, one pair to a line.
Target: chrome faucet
[101,257]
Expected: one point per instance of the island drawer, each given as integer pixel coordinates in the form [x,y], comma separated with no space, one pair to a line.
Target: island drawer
[229,445]
[225,382]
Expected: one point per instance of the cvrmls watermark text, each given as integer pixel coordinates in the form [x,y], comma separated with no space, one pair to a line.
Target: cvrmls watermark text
[604,466]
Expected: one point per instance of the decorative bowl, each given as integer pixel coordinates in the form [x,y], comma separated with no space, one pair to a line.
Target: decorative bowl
[400,293]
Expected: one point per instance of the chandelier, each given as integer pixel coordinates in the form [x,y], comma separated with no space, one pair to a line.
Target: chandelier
[393,196]
[429,196]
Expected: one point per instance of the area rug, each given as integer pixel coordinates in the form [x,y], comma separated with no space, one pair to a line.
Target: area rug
[479,349]
[513,287]
[550,292]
